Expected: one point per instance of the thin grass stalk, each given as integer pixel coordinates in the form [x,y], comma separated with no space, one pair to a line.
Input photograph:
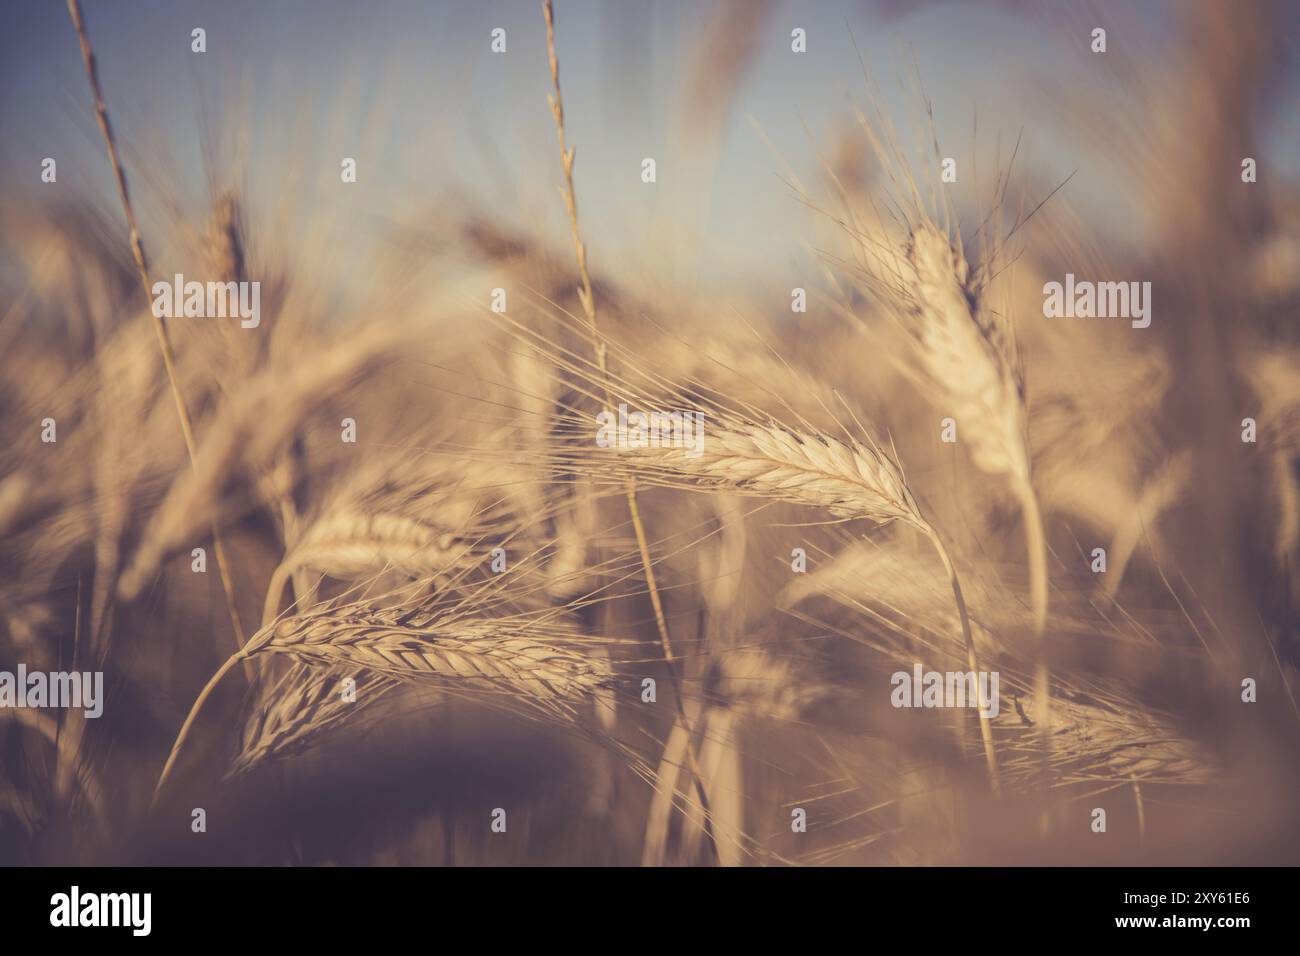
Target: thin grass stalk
[986,726]
[589,307]
[164,342]
[1141,812]
[239,656]
[1036,545]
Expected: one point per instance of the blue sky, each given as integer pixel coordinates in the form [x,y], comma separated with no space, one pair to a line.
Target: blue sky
[410,89]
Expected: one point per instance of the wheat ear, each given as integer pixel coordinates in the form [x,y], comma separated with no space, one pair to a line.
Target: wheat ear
[526,657]
[349,544]
[299,707]
[969,353]
[848,479]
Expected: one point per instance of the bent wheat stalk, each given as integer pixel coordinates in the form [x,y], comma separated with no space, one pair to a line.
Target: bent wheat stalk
[848,479]
[966,350]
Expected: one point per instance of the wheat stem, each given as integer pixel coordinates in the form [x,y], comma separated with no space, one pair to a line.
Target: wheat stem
[589,307]
[986,727]
[275,590]
[204,694]
[137,250]
[1036,544]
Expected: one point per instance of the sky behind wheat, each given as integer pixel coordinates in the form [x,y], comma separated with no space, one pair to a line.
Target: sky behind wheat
[410,89]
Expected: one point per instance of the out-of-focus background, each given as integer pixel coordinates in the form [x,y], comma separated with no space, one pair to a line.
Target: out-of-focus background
[405,88]
[376,308]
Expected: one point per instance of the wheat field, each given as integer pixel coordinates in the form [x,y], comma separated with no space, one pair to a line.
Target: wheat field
[488,542]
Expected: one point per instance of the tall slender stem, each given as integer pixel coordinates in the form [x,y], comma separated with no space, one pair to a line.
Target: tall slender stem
[142,265]
[1036,544]
[986,726]
[587,297]
[204,694]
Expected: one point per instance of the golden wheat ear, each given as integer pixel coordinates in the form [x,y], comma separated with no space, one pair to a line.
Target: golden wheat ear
[292,714]
[970,357]
[770,460]
[536,662]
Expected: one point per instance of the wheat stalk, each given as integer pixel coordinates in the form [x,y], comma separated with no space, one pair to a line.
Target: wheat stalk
[847,478]
[588,300]
[164,342]
[967,351]
[969,354]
